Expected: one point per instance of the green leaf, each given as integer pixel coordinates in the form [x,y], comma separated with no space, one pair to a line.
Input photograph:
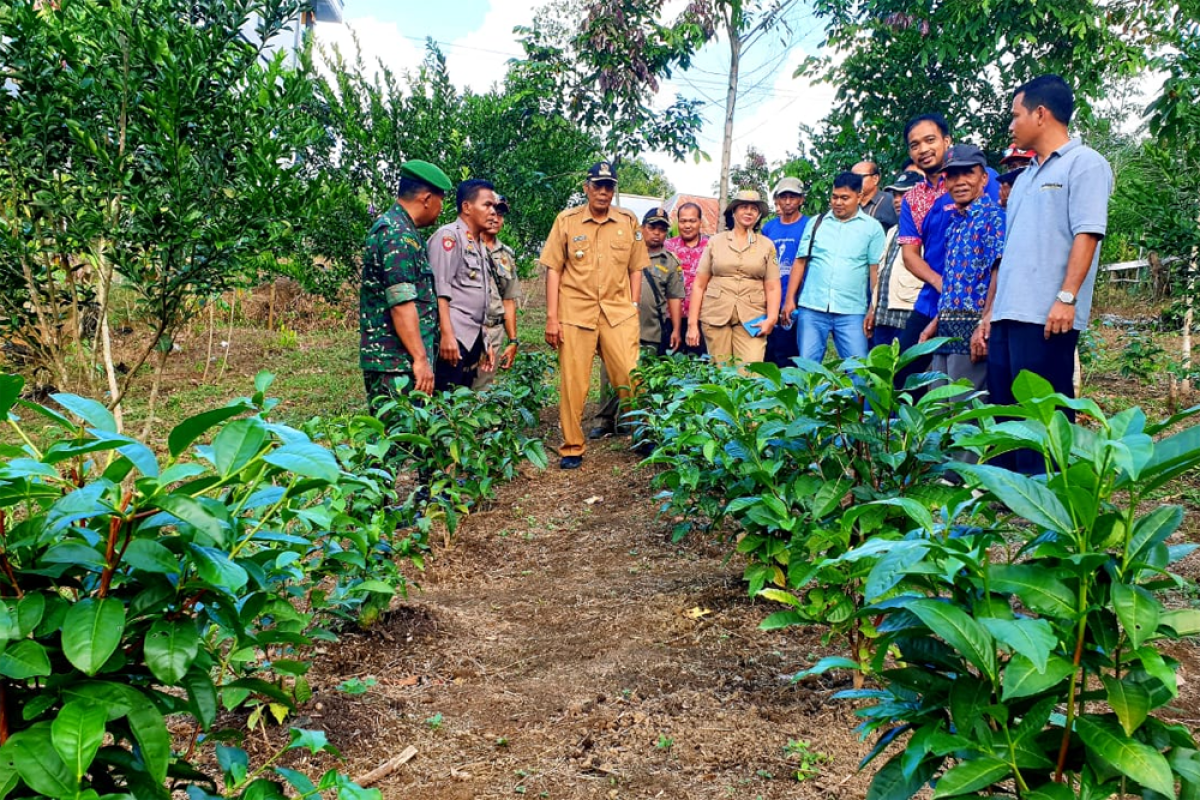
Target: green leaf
[780,596]
[1137,610]
[171,648]
[298,780]
[186,432]
[960,631]
[313,741]
[24,659]
[1051,791]
[1037,589]
[77,505]
[30,610]
[1184,621]
[91,412]
[77,733]
[1129,700]
[38,763]
[153,738]
[91,633]
[1023,679]
[214,568]
[890,782]
[1131,758]
[237,443]
[9,777]
[193,512]
[202,696]
[10,390]
[826,664]
[1032,638]
[1152,529]
[783,619]
[971,776]
[150,556]
[1024,496]
[306,459]
[10,627]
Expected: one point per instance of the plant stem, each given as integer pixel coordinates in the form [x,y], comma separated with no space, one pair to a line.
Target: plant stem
[1070,724]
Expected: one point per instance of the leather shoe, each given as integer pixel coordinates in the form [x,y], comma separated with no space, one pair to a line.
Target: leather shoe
[600,431]
[570,462]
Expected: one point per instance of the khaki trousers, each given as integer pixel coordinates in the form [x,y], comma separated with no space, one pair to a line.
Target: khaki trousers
[494,337]
[618,346]
[733,340]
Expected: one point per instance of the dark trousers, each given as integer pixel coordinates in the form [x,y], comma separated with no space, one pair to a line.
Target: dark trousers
[1015,346]
[910,336]
[885,334]
[447,375]
[381,386]
[782,346]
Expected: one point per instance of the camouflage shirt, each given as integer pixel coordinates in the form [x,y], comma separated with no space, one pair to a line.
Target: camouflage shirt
[395,270]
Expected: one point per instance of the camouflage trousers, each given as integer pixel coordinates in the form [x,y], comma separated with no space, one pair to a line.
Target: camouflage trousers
[381,386]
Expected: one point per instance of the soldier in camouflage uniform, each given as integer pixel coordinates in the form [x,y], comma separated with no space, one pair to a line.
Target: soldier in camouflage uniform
[398,313]
[502,299]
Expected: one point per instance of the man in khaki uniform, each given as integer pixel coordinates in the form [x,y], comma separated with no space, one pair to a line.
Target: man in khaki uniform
[504,292]
[660,312]
[594,256]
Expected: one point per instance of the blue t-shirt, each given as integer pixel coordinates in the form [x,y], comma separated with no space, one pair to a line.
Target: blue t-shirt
[933,238]
[787,239]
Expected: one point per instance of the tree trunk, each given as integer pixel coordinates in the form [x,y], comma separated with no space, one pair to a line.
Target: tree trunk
[271,307]
[104,333]
[1185,385]
[160,364]
[1160,279]
[735,57]
[229,337]
[212,329]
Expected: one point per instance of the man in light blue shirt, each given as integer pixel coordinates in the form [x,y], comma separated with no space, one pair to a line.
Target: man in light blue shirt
[836,267]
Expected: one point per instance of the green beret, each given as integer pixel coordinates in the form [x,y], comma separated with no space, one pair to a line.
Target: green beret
[426,173]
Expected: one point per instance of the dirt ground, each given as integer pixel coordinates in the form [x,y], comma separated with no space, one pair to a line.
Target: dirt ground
[565,648]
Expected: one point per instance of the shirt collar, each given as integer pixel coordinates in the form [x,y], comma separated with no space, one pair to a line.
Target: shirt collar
[1066,148]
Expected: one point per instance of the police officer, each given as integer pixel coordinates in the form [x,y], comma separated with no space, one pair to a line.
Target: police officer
[593,255]
[397,303]
[462,279]
[505,290]
[660,311]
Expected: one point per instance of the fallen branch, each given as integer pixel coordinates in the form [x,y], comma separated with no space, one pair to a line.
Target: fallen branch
[387,768]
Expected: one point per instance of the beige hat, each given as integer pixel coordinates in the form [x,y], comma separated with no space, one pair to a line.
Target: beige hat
[788,184]
[748,197]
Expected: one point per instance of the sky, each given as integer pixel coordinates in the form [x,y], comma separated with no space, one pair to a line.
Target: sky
[477,38]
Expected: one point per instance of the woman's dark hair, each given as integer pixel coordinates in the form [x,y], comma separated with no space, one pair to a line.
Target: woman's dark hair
[729,219]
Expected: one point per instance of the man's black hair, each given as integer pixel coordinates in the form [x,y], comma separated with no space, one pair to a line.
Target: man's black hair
[934,117]
[469,190]
[848,180]
[699,211]
[1051,92]
[408,188]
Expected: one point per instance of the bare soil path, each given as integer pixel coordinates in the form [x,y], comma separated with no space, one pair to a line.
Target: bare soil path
[563,647]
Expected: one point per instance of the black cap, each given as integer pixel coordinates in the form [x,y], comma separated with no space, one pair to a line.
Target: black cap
[602,172]
[657,216]
[964,155]
[501,205]
[905,181]
[1011,175]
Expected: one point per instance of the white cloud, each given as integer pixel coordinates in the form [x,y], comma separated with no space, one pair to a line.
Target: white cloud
[381,42]
[479,59]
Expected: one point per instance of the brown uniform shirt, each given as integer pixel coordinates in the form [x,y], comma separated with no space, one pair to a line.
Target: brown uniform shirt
[736,290]
[595,260]
[661,282]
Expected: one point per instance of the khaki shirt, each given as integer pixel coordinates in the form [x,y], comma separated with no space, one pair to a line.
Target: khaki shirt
[661,281]
[737,286]
[504,285]
[460,273]
[595,260]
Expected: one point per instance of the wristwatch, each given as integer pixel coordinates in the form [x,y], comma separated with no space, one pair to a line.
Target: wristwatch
[514,340]
[1066,297]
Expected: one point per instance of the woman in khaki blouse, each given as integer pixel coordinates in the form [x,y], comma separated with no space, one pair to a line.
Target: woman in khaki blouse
[737,281]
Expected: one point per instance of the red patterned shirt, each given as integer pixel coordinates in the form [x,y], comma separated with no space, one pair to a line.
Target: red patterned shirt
[689,259]
[918,201]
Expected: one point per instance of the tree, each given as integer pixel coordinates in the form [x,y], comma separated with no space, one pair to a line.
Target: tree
[604,75]
[641,177]
[754,173]
[745,23]
[151,144]
[893,61]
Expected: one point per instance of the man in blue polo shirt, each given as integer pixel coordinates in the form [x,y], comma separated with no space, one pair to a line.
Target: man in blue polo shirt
[1057,216]
[836,267]
[785,231]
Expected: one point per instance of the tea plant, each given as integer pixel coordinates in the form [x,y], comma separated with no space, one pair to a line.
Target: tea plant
[1024,656]
[136,586]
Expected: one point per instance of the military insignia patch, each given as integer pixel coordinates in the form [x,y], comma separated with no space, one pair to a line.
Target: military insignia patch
[637,236]
[447,243]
